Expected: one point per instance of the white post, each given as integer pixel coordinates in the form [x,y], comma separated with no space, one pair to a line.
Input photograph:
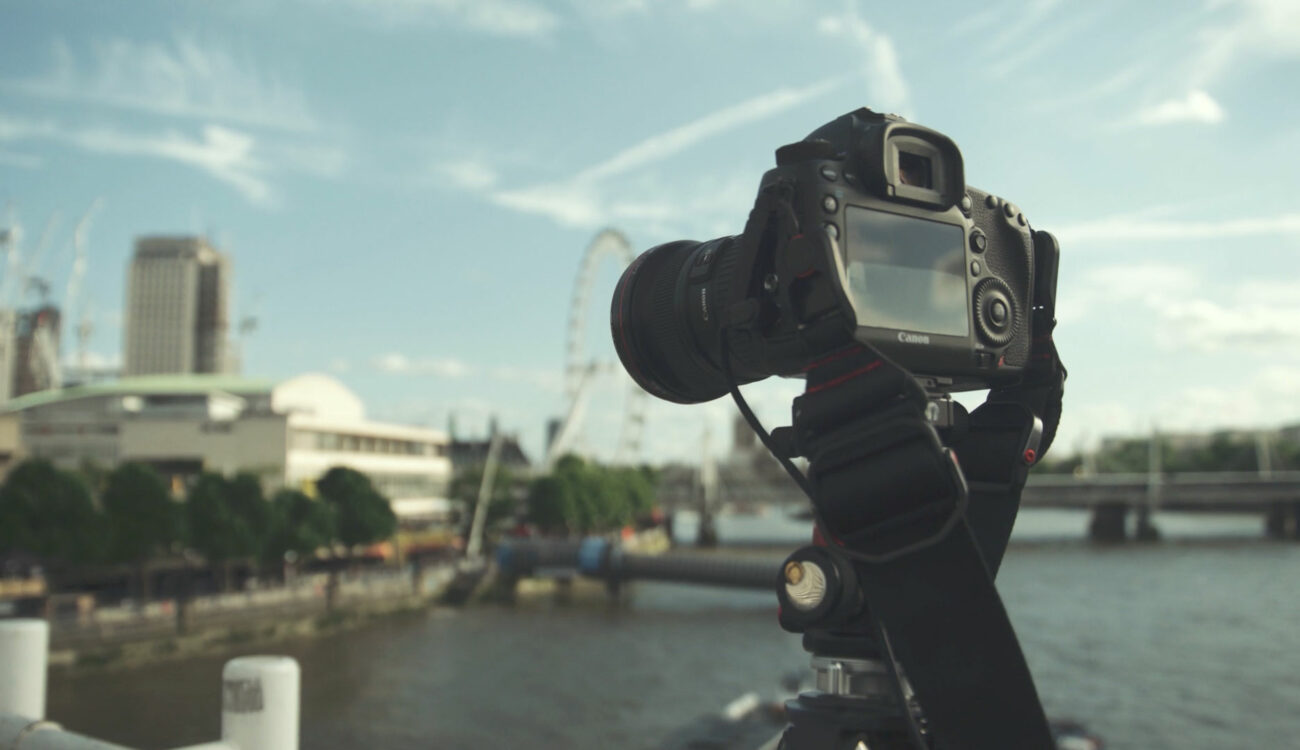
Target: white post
[24,652]
[259,703]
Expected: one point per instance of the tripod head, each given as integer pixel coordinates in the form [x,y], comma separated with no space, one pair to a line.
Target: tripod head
[895,599]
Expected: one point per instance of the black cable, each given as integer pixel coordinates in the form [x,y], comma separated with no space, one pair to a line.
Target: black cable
[798,476]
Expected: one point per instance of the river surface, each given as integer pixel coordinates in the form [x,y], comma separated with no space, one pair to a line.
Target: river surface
[1190,643]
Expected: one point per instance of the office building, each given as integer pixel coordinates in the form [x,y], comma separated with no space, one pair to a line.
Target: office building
[177,311]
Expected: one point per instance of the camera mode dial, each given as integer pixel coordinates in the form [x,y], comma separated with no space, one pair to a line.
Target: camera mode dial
[995,312]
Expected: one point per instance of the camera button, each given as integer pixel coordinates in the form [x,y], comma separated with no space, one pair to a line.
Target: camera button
[975,268]
[829,204]
[978,242]
[998,312]
[830,174]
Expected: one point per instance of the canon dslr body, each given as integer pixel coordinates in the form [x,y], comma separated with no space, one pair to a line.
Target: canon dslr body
[865,230]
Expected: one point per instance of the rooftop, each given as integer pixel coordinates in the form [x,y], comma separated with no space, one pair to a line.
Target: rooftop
[144,385]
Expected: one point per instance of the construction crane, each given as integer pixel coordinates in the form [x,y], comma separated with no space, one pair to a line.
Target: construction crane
[82,323]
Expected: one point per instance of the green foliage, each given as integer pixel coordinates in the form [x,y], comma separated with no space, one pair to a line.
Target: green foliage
[551,505]
[363,516]
[142,518]
[1222,452]
[222,519]
[299,524]
[582,497]
[244,494]
[501,504]
[48,513]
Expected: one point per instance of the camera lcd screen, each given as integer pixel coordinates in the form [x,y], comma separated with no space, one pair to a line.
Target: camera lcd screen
[906,273]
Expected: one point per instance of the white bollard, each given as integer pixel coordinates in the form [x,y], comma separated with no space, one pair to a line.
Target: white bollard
[24,653]
[259,703]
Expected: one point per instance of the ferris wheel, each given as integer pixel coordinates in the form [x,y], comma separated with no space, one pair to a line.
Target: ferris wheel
[583,370]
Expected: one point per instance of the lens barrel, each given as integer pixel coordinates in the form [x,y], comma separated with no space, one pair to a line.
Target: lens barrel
[655,334]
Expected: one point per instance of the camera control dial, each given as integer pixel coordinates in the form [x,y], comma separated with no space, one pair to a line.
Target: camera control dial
[995,312]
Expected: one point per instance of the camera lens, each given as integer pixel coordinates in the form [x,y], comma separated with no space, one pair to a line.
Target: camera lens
[664,320]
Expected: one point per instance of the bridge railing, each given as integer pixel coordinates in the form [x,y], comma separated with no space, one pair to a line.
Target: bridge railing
[260,699]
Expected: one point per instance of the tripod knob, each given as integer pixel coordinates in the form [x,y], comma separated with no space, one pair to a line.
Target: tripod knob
[816,588]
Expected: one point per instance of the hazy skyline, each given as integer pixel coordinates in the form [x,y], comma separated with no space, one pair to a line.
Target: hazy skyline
[406,187]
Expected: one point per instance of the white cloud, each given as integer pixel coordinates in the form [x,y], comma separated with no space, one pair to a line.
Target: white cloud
[469,174]
[585,201]
[567,204]
[1208,325]
[1197,106]
[186,79]
[224,154]
[403,365]
[887,89]
[1186,312]
[506,18]
[1264,399]
[1269,397]
[1130,229]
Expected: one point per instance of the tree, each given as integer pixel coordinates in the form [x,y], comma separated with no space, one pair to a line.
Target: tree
[244,493]
[551,505]
[363,516]
[501,504]
[586,497]
[299,524]
[142,518]
[216,528]
[48,513]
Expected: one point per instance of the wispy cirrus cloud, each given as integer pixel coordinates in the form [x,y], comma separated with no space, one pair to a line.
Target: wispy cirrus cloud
[227,155]
[1244,29]
[886,88]
[503,18]
[185,78]
[584,199]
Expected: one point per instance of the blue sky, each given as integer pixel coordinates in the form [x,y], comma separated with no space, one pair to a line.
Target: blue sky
[407,187]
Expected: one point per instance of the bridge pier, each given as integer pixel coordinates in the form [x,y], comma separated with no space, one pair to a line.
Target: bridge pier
[1109,522]
[1146,530]
[1282,521]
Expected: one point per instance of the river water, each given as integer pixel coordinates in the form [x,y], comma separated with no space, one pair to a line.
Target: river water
[1190,643]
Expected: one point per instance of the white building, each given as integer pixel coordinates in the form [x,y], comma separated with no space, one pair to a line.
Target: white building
[287,433]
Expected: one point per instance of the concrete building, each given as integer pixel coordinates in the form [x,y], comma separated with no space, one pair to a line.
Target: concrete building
[177,313]
[287,433]
[36,351]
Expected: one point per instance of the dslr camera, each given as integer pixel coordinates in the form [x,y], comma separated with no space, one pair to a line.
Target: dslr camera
[865,231]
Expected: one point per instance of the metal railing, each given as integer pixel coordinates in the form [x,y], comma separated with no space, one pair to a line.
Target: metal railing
[259,699]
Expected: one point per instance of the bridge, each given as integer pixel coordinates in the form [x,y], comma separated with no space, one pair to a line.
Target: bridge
[1110,498]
